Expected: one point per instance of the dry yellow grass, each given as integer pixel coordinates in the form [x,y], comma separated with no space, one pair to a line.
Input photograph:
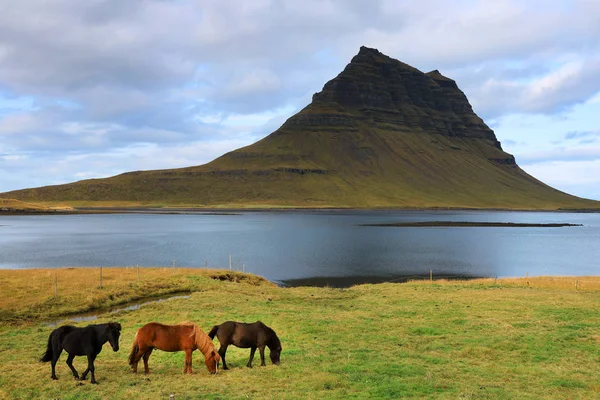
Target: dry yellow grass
[12,204]
[39,293]
[20,206]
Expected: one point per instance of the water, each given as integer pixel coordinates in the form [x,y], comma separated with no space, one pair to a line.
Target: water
[312,247]
[130,306]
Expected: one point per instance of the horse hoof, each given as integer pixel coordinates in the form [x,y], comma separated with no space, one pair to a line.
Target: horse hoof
[55,378]
[94,382]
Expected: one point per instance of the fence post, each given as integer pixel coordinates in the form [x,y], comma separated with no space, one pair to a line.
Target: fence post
[577,284]
[430,275]
[55,283]
[101,277]
[138,272]
[230,262]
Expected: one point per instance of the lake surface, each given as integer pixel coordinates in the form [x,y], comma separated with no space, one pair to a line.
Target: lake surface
[310,247]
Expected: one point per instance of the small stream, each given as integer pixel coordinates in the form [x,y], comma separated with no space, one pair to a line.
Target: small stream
[130,306]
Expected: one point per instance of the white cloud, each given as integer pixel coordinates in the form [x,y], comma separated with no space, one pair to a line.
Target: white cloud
[580,178]
[15,157]
[595,99]
[50,168]
[15,123]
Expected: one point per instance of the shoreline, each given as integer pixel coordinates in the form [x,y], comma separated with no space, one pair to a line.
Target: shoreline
[238,211]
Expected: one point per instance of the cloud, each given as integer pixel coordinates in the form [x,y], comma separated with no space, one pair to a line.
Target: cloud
[549,92]
[102,77]
[582,134]
[574,153]
[50,168]
[60,46]
[580,178]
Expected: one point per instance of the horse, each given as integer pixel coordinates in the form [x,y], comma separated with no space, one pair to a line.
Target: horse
[246,336]
[186,336]
[86,341]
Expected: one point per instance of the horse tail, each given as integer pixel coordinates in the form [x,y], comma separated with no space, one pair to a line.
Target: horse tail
[56,337]
[213,332]
[135,348]
[48,354]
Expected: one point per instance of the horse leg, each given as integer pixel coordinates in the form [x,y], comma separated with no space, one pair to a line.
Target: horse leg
[252,350]
[262,355]
[146,357]
[90,368]
[86,371]
[222,351]
[70,364]
[56,350]
[136,359]
[188,361]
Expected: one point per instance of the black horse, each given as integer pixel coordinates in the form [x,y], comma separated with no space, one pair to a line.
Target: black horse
[86,341]
[246,336]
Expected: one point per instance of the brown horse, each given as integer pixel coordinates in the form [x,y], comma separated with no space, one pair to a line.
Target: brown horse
[186,336]
[246,336]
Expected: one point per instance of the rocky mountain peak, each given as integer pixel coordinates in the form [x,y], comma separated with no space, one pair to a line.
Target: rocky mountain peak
[395,96]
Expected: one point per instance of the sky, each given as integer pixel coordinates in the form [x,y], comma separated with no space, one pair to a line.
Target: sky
[94,88]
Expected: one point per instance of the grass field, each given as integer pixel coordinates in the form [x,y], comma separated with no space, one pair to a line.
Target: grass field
[530,338]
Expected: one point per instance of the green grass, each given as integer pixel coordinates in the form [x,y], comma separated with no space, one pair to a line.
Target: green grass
[447,340]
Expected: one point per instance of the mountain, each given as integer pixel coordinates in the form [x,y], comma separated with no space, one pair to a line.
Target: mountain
[380,134]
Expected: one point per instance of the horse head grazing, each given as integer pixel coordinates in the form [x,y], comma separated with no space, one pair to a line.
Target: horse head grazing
[212,362]
[205,345]
[114,331]
[275,355]
[275,347]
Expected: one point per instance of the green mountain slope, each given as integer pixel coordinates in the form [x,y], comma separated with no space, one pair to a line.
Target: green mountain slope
[380,134]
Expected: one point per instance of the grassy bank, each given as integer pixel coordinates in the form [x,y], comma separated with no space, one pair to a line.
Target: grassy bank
[15,206]
[39,294]
[524,338]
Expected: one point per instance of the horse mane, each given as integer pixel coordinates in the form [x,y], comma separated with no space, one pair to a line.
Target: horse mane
[115,325]
[274,339]
[201,339]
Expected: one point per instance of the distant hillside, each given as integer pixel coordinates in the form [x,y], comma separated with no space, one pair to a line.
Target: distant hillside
[380,134]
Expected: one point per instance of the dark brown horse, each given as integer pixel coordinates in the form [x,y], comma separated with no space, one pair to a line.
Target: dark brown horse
[86,341]
[183,337]
[246,336]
